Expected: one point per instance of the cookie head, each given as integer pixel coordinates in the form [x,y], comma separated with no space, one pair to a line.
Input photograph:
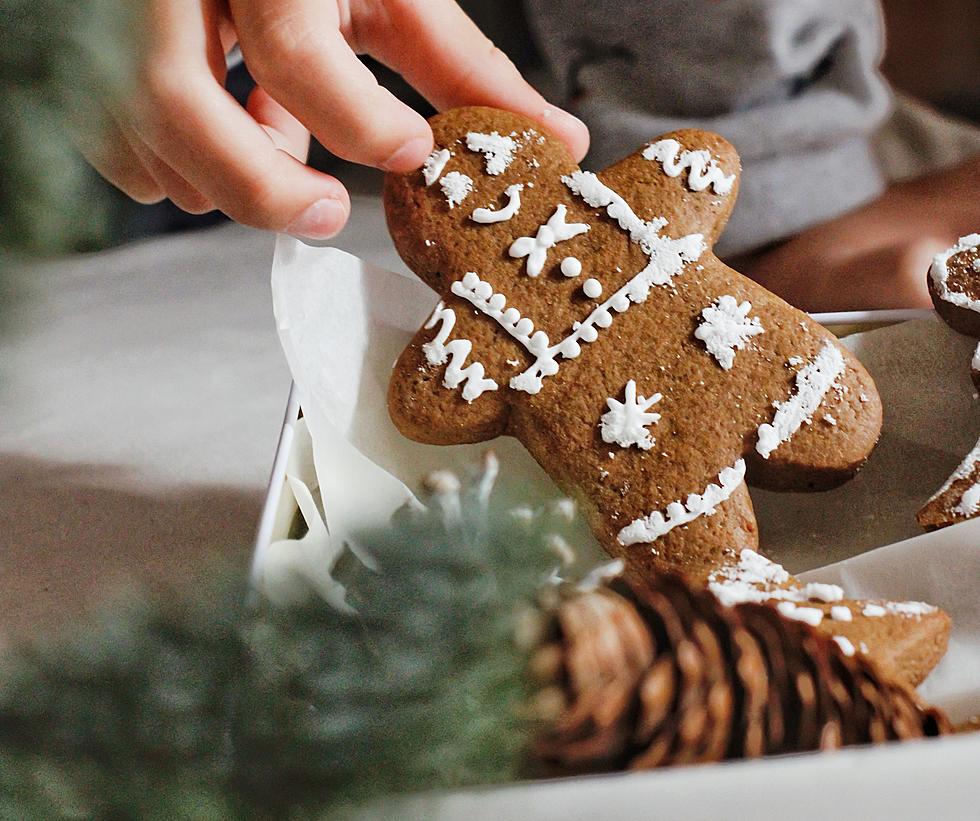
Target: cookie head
[954,285]
[585,314]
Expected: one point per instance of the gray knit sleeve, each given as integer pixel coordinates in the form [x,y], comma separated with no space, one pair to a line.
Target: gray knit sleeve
[792,83]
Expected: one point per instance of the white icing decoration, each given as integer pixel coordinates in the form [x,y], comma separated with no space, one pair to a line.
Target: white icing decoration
[434,164]
[667,256]
[535,248]
[940,273]
[657,524]
[499,151]
[487,215]
[808,615]
[969,501]
[909,608]
[975,363]
[840,612]
[976,265]
[572,267]
[726,327]
[845,645]
[703,168]
[456,187]
[757,579]
[812,383]
[625,422]
[667,259]
[817,591]
[437,352]
[873,611]
[592,288]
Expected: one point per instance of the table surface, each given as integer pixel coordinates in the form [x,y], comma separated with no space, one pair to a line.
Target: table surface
[141,394]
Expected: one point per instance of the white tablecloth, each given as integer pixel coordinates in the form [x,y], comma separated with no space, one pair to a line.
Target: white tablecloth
[141,393]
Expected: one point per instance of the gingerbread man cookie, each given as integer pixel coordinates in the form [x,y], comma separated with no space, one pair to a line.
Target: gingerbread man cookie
[954,285]
[586,315]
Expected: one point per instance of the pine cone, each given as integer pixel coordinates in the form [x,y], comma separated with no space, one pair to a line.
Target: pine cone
[668,675]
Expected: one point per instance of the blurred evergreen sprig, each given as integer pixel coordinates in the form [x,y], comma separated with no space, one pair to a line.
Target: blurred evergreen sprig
[201,707]
[57,61]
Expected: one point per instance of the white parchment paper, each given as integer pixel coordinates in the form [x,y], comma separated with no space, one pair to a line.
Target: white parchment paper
[343,322]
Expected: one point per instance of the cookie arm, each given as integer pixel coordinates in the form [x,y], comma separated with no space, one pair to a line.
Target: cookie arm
[836,442]
[440,392]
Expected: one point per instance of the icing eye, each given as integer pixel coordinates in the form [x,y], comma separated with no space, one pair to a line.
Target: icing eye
[571,267]
[592,288]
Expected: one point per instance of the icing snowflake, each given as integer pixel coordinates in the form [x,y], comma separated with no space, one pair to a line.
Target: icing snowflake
[535,248]
[625,423]
[456,187]
[498,150]
[726,327]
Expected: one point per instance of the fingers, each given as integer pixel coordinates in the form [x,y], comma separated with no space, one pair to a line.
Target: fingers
[174,186]
[114,158]
[286,132]
[295,50]
[442,53]
[196,128]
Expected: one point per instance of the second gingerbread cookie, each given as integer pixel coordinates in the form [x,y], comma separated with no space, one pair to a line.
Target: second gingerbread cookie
[586,315]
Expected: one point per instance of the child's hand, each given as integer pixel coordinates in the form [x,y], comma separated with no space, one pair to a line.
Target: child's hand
[182,136]
[878,255]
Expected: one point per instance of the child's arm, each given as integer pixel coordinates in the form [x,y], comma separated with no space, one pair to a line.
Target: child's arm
[181,135]
[878,255]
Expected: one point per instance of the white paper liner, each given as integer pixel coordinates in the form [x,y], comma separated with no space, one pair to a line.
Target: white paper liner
[343,322]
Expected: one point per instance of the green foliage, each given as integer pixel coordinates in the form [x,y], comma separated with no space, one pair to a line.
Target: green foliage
[209,709]
[58,60]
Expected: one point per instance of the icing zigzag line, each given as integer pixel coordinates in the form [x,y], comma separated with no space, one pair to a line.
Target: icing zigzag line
[437,352]
[703,168]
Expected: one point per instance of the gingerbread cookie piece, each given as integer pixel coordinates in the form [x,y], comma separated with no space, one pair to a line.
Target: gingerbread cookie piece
[954,285]
[905,639]
[958,499]
[586,315]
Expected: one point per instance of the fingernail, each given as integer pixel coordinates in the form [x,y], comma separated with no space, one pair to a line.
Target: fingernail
[552,113]
[410,156]
[322,220]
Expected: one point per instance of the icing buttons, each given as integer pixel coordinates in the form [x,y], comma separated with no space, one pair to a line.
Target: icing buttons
[592,288]
[571,267]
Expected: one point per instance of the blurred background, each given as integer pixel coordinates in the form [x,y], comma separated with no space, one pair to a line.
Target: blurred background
[932,56]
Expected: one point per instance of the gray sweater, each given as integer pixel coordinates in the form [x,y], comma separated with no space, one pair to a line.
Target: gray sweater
[792,83]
